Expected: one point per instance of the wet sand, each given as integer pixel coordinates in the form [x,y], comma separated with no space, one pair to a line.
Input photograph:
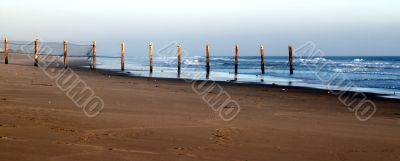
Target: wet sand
[164,119]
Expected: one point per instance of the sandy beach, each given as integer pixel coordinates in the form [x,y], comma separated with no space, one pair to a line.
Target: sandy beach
[164,119]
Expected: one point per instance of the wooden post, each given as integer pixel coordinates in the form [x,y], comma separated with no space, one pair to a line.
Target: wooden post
[65,53]
[236,58]
[291,60]
[208,59]
[36,55]
[151,56]
[94,55]
[179,57]
[122,56]
[6,50]
[262,59]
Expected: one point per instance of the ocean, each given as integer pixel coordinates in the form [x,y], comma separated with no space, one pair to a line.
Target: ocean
[376,74]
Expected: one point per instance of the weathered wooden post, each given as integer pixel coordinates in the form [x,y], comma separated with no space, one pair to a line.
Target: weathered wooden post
[36,54]
[178,46]
[151,56]
[94,55]
[208,59]
[6,51]
[262,59]
[236,58]
[122,56]
[65,53]
[291,60]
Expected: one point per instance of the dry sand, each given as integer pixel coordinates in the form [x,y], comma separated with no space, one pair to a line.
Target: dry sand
[160,119]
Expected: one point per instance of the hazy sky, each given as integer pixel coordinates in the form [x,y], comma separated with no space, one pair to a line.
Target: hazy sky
[338,27]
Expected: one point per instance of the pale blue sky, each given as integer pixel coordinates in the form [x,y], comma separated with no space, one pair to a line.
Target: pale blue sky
[338,27]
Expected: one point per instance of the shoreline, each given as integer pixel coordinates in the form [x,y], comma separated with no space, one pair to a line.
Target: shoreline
[371,95]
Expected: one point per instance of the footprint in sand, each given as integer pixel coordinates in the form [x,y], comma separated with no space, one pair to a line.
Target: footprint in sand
[224,136]
[62,129]
[118,133]
[5,125]
[7,138]
[184,151]
[290,114]
[105,148]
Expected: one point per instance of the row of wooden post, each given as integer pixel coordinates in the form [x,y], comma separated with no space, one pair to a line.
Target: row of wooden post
[208,58]
[6,51]
[93,65]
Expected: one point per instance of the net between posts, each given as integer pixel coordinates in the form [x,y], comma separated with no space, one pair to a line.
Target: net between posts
[22,52]
[108,60]
[2,46]
[20,47]
[107,55]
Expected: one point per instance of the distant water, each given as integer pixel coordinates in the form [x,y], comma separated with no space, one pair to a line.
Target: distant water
[367,74]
